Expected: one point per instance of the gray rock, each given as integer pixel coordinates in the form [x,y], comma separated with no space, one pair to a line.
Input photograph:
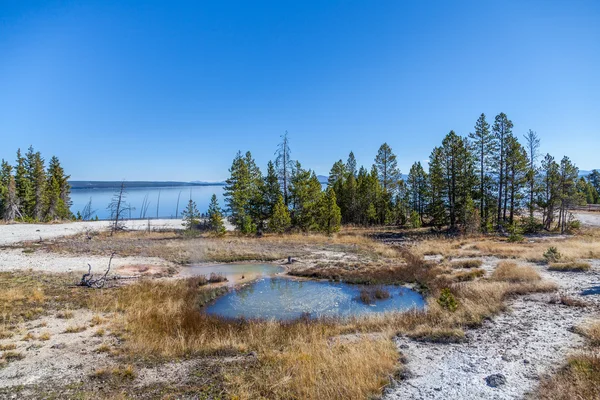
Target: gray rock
[495,380]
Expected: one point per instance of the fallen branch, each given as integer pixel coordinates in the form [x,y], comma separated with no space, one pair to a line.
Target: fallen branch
[88,280]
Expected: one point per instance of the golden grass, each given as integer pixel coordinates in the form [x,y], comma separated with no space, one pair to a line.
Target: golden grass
[570,266]
[466,263]
[126,372]
[99,332]
[572,248]
[510,272]
[592,333]
[468,275]
[578,379]
[12,356]
[10,346]
[75,329]
[44,336]
[66,314]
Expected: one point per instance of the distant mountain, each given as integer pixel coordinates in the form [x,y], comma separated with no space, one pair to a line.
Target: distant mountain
[586,173]
[136,184]
[322,179]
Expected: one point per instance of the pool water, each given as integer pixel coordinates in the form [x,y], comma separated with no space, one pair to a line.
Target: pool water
[285,299]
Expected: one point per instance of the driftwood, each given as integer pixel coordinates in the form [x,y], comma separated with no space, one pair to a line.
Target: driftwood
[88,280]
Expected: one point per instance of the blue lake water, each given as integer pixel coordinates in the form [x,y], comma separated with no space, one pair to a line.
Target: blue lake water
[286,299]
[135,197]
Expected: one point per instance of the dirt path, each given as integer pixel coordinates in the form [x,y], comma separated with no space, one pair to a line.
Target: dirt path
[523,345]
[15,233]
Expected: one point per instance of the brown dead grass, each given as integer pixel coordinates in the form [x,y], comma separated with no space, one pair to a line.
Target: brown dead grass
[510,272]
[570,266]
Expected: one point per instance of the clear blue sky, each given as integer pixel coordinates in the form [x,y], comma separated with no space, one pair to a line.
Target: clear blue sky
[118,89]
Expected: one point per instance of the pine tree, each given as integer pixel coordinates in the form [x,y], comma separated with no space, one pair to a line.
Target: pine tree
[215,217]
[11,201]
[532,145]
[271,190]
[285,166]
[437,208]
[305,193]
[594,179]
[330,216]
[483,148]
[550,194]
[517,164]
[417,186]
[191,216]
[280,220]
[36,175]
[568,194]
[22,186]
[5,175]
[57,192]
[240,191]
[502,130]
[336,181]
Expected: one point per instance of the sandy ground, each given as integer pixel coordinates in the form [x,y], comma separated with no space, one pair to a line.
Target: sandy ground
[15,233]
[525,344]
[588,218]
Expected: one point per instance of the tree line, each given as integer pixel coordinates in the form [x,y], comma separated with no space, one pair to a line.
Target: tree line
[486,181]
[32,192]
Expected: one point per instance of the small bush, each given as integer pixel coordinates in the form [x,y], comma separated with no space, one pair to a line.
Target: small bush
[570,267]
[216,278]
[369,295]
[552,255]
[465,276]
[447,300]
[12,356]
[438,335]
[467,264]
[510,272]
[515,234]
[75,329]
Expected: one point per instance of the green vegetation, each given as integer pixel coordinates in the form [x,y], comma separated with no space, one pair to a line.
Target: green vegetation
[30,192]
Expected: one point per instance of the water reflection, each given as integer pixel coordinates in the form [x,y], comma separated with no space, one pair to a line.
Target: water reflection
[284,299]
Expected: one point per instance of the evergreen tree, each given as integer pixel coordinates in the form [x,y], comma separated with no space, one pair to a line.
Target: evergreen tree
[437,209]
[502,130]
[594,180]
[532,145]
[215,217]
[11,201]
[550,194]
[568,195]
[336,181]
[238,194]
[57,199]
[305,193]
[191,216]
[351,164]
[271,190]
[417,185]
[517,164]
[330,216]
[389,176]
[5,175]
[285,166]
[36,175]
[483,148]
[23,188]
[280,220]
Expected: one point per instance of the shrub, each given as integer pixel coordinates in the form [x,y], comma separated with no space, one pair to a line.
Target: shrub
[552,255]
[510,272]
[447,300]
[467,264]
[515,234]
[570,266]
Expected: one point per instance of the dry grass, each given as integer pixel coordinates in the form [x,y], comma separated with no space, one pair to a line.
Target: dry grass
[65,314]
[10,346]
[570,266]
[592,333]
[75,329]
[438,335]
[44,336]
[463,276]
[510,272]
[120,373]
[12,356]
[99,332]
[567,301]
[578,379]
[466,263]
[572,248]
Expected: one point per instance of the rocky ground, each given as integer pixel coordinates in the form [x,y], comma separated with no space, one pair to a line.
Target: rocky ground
[513,351]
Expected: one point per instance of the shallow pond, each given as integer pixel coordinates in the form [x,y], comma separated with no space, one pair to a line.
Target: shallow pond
[235,273]
[285,299]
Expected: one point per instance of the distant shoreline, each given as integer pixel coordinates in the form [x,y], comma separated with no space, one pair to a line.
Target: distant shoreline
[79,185]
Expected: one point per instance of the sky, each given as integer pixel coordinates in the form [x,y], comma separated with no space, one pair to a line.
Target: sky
[172,90]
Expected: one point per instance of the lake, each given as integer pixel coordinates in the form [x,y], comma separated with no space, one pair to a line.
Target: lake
[135,197]
[286,299]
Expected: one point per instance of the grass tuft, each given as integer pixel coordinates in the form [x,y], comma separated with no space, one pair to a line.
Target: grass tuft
[570,266]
